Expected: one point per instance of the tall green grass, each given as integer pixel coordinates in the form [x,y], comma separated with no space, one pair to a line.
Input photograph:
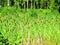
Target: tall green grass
[32,27]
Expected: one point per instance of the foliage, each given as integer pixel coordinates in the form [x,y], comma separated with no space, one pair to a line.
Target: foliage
[17,25]
[43,3]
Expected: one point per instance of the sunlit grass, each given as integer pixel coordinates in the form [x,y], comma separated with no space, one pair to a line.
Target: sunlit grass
[41,27]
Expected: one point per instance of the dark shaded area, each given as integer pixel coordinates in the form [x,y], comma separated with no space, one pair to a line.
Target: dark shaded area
[25,5]
[59,9]
[3,40]
[1,3]
[29,4]
[37,5]
[57,3]
[21,6]
[11,2]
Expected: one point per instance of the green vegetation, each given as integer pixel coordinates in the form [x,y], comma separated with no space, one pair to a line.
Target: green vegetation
[29,22]
[44,4]
[19,26]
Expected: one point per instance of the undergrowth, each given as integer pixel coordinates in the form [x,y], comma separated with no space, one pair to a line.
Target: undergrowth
[16,26]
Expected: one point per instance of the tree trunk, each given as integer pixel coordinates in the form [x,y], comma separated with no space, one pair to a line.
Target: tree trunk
[31,4]
[0,3]
[24,4]
[27,4]
[8,2]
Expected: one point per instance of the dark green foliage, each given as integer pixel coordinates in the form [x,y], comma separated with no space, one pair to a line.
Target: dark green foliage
[3,40]
[33,14]
[50,4]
